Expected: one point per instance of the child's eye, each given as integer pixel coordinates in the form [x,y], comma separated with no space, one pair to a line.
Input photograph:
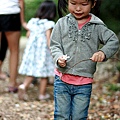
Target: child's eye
[84,4]
[73,3]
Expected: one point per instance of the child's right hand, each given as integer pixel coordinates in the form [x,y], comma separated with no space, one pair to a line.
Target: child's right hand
[61,61]
[24,24]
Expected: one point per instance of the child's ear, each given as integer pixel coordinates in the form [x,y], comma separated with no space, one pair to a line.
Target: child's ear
[94,4]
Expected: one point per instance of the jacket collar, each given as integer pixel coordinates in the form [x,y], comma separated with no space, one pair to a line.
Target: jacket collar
[94,19]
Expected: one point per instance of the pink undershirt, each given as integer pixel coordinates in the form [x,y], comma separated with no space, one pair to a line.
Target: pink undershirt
[75,79]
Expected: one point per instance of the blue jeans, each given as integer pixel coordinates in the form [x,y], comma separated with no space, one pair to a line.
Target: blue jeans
[71,101]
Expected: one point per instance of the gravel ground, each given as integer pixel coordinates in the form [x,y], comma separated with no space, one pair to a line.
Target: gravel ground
[105,104]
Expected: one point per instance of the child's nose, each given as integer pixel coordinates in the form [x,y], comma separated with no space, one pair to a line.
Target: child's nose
[78,7]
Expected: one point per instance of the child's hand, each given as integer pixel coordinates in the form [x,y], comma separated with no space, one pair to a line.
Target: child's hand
[98,56]
[28,34]
[24,24]
[62,60]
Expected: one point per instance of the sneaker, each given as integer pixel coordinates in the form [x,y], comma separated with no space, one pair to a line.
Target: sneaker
[44,97]
[22,92]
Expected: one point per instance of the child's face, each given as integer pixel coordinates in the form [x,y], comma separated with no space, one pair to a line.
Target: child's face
[80,8]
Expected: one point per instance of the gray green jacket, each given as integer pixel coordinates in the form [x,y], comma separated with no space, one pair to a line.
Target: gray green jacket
[66,38]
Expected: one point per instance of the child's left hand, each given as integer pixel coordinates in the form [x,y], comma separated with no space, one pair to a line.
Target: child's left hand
[98,56]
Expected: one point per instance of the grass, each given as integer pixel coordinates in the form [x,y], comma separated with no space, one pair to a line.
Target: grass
[113,87]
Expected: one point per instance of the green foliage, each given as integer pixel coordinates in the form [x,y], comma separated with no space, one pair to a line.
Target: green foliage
[110,14]
[30,8]
[113,87]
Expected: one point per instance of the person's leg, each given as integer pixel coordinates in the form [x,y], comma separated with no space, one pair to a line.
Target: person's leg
[13,43]
[28,81]
[3,51]
[2,75]
[23,87]
[80,102]
[0,38]
[4,46]
[62,99]
[42,89]
[43,85]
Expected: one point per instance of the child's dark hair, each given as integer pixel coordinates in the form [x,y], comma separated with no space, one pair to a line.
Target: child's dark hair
[46,10]
[62,7]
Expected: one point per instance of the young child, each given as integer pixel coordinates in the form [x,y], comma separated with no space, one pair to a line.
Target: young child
[37,60]
[74,45]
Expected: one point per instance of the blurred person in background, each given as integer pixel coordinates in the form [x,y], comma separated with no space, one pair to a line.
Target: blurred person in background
[37,60]
[11,18]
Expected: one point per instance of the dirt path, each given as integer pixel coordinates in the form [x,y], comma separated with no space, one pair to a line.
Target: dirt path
[105,104]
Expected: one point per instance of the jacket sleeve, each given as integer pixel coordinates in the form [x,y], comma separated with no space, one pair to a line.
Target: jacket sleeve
[110,41]
[56,43]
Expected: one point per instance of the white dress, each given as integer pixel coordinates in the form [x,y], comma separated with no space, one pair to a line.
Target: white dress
[37,60]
